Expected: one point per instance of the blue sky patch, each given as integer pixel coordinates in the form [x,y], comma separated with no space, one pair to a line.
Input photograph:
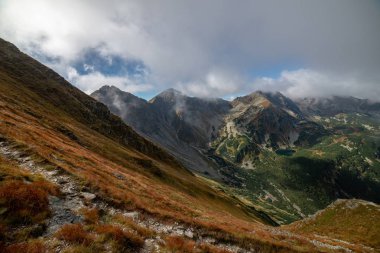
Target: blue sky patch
[110,65]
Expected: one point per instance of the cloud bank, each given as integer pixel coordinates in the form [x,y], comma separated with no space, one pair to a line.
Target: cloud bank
[207,48]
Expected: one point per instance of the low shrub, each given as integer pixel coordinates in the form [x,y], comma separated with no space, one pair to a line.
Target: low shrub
[179,244]
[91,216]
[125,240]
[3,232]
[47,187]
[82,249]
[206,248]
[34,246]
[130,223]
[74,233]
[23,203]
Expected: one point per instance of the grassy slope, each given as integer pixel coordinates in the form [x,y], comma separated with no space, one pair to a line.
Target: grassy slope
[360,219]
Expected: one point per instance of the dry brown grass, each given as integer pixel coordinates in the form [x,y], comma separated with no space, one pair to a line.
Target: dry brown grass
[91,216]
[128,222]
[34,246]
[75,234]
[82,249]
[3,232]
[47,187]
[125,240]
[24,203]
[206,248]
[181,245]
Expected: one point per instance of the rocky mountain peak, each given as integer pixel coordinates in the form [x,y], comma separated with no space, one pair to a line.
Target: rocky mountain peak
[257,98]
[267,100]
[116,98]
[168,95]
[112,90]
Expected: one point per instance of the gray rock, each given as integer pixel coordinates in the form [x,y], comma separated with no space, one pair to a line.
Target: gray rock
[132,215]
[119,176]
[189,233]
[88,196]
[61,215]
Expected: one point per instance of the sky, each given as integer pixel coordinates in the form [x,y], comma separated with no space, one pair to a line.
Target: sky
[208,48]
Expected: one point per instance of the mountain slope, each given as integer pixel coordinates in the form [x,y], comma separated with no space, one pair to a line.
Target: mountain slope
[361,220]
[42,85]
[183,125]
[263,121]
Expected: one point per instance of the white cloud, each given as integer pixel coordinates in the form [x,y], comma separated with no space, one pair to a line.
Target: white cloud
[94,80]
[305,82]
[183,42]
[216,83]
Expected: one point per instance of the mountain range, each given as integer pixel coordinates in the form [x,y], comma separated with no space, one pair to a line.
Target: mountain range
[186,126]
[178,173]
[249,143]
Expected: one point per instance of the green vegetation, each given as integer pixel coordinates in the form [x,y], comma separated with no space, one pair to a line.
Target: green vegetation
[285,152]
[235,149]
[289,187]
